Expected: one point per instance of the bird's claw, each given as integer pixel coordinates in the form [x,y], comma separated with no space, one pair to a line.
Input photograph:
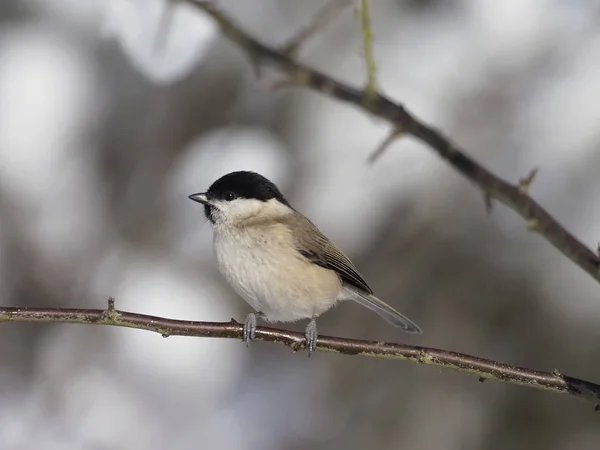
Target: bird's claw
[249,332]
[311,336]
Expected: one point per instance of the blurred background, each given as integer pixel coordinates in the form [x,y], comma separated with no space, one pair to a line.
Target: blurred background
[107,124]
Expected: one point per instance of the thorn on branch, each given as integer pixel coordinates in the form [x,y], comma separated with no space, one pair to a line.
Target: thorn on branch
[395,134]
[110,314]
[525,183]
[319,22]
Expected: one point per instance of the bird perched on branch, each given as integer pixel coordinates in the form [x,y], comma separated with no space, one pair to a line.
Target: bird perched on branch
[278,260]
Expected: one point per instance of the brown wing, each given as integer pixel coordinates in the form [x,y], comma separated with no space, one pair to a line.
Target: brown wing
[313,245]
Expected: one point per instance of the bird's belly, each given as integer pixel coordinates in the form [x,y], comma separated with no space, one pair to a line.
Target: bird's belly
[283,289]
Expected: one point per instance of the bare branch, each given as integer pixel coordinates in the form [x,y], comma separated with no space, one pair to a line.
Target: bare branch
[483,368]
[385,108]
[320,20]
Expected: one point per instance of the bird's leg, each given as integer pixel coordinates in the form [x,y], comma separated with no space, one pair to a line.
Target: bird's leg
[311,335]
[249,332]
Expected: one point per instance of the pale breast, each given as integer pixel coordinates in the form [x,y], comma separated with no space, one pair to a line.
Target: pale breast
[261,267]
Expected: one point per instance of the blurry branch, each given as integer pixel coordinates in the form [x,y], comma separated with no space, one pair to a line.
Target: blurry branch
[493,187]
[367,37]
[485,369]
[321,19]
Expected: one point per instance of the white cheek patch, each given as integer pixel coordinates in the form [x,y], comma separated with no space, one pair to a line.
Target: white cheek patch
[238,209]
[247,209]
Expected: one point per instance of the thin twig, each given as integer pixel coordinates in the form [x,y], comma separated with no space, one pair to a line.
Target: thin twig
[385,108]
[320,20]
[367,38]
[483,368]
[381,148]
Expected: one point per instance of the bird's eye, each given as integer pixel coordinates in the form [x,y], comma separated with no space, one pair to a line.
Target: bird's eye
[229,196]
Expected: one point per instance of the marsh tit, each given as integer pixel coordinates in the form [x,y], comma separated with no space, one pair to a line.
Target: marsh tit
[278,261]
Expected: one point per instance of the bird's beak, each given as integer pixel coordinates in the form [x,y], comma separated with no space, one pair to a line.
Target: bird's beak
[200,198]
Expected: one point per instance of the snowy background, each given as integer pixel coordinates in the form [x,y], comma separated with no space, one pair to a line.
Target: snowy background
[109,119]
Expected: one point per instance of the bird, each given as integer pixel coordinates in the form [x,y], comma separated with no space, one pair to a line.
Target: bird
[278,261]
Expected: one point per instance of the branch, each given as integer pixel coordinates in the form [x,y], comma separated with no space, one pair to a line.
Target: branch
[484,368]
[367,36]
[493,187]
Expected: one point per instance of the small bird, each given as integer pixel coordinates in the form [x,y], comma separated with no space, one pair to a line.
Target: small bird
[278,261]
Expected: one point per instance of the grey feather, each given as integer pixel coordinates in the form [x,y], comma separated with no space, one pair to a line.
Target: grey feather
[316,247]
[385,311]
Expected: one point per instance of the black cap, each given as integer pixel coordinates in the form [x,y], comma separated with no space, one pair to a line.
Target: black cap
[244,184]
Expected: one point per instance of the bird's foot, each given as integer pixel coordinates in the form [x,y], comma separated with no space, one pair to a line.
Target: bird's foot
[249,332]
[311,336]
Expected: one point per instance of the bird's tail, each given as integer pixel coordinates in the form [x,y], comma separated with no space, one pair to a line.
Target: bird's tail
[385,311]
